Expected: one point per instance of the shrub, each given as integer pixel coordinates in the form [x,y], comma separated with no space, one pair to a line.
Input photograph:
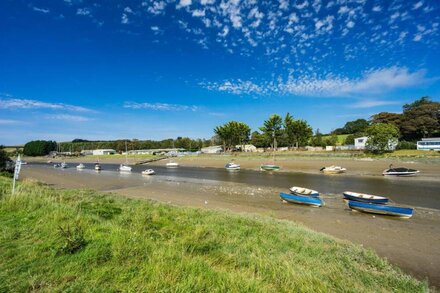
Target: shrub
[406,145]
[72,238]
[39,147]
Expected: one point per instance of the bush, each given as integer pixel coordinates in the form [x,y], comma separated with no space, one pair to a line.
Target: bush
[39,147]
[73,239]
[406,145]
[3,159]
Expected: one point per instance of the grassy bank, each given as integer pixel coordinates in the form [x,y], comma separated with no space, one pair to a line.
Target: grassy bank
[81,240]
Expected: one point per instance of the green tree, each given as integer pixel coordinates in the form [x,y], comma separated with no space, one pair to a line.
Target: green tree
[3,158]
[355,126]
[317,139]
[332,140]
[420,119]
[233,133]
[298,132]
[39,147]
[387,117]
[381,136]
[273,129]
[349,140]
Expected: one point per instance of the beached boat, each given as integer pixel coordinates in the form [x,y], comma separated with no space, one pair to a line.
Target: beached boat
[401,172]
[148,172]
[307,200]
[80,166]
[303,191]
[125,167]
[369,198]
[381,209]
[56,165]
[172,164]
[270,168]
[63,165]
[97,167]
[333,170]
[232,166]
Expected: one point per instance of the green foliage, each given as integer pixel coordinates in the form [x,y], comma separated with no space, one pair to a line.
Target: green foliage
[39,147]
[273,129]
[406,145]
[233,133]
[380,136]
[349,140]
[317,140]
[356,126]
[72,237]
[298,132]
[332,140]
[152,247]
[3,158]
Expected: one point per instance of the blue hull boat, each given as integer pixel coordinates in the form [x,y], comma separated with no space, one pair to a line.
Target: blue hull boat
[381,209]
[365,197]
[312,201]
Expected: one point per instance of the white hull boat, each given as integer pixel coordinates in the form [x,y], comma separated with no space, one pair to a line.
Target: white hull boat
[333,170]
[80,166]
[232,166]
[303,191]
[148,172]
[172,164]
[97,167]
[63,165]
[124,168]
[400,172]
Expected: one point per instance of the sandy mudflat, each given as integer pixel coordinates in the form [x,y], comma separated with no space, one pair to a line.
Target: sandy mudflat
[412,244]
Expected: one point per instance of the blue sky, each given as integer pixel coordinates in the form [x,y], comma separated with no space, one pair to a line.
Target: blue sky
[158,69]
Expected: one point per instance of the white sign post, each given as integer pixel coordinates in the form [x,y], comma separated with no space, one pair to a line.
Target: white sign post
[16,172]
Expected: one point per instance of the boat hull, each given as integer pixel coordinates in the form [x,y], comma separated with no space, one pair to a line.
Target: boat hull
[306,200]
[377,200]
[304,192]
[381,209]
[269,168]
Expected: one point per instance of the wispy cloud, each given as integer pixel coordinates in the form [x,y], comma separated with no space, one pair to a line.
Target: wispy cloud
[160,106]
[42,10]
[371,82]
[372,103]
[9,122]
[8,102]
[67,117]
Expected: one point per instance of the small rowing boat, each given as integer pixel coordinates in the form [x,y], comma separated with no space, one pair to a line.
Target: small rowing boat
[333,170]
[148,172]
[307,200]
[303,191]
[270,168]
[232,166]
[369,198]
[381,209]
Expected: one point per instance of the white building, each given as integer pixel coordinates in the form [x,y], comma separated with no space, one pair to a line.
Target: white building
[103,152]
[360,143]
[429,144]
[216,149]
[246,148]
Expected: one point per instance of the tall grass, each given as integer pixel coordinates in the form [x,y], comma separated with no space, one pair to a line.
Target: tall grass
[81,240]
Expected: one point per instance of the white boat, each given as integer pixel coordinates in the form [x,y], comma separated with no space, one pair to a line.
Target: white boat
[148,172]
[56,165]
[63,165]
[401,172]
[125,167]
[232,166]
[303,191]
[80,166]
[333,170]
[172,164]
[97,167]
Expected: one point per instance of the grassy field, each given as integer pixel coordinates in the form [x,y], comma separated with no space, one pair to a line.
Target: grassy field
[80,240]
[413,154]
[341,138]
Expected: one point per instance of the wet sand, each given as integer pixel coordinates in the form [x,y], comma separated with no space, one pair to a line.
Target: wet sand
[411,244]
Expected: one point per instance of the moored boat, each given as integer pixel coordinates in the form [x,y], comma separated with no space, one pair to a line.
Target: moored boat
[303,191]
[80,166]
[400,172]
[172,164]
[306,200]
[232,166]
[362,197]
[333,170]
[63,165]
[148,172]
[97,167]
[381,209]
[270,168]
[124,168]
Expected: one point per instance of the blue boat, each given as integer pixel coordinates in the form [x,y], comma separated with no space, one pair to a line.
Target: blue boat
[369,198]
[381,209]
[312,201]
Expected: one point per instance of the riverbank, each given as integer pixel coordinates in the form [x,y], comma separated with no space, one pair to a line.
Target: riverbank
[289,162]
[410,244]
[58,240]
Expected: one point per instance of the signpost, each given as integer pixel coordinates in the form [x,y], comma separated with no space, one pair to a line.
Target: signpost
[16,172]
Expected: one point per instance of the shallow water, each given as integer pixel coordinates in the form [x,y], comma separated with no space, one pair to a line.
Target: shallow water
[407,191]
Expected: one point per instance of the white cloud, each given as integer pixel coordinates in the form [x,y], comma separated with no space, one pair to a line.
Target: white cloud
[198,13]
[372,103]
[157,7]
[67,117]
[184,3]
[350,24]
[14,103]
[237,87]
[377,8]
[417,37]
[9,122]
[160,106]
[128,10]
[83,11]
[42,10]
[124,18]
[417,5]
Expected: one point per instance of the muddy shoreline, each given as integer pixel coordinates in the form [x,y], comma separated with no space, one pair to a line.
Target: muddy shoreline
[410,244]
